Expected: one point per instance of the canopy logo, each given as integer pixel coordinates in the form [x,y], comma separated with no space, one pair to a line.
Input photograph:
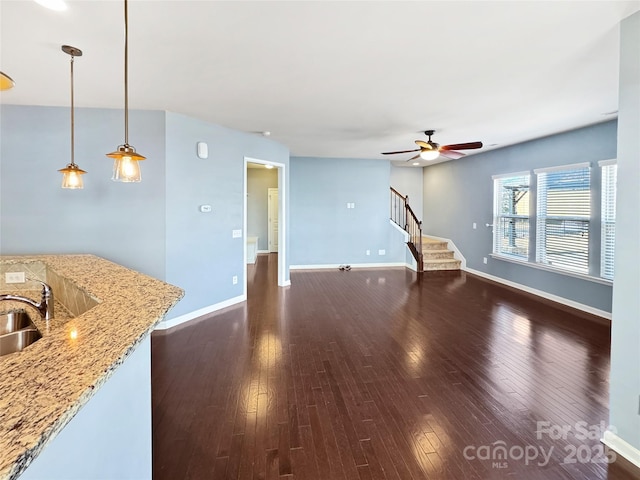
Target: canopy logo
[500,454]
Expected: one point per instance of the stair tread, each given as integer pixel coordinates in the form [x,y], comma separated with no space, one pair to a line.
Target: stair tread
[442,260]
[444,250]
[432,240]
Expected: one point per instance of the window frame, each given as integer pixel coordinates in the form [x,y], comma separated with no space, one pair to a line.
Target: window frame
[595,223]
[606,197]
[498,215]
[568,218]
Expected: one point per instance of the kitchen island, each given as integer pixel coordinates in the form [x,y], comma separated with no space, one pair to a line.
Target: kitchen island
[101,331]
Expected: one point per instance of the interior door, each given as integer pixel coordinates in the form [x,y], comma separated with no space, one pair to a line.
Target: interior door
[272,212]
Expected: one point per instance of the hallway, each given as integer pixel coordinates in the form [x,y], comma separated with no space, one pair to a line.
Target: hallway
[375,374]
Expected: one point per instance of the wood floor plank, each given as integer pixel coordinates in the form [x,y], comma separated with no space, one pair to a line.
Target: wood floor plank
[378,374]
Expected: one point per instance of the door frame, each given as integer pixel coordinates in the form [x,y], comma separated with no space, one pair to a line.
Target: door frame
[269,211]
[283,277]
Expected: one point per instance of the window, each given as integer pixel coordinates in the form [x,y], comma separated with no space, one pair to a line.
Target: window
[511,215]
[608,213]
[564,212]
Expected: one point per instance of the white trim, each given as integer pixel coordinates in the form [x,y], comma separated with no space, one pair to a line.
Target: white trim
[286,283]
[457,254]
[328,266]
[604,163]
[262,251]
[413,264]
[621,447]
[507,175]
[546,268]
[172,322]
[401,230]
[559,168]
[540,293]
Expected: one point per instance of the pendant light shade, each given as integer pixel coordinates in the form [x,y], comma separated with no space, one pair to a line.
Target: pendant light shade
[72,174]
[6,82]
[126,166]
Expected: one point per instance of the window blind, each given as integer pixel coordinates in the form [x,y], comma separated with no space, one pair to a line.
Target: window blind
[564,211]
[608,200]
[511,216]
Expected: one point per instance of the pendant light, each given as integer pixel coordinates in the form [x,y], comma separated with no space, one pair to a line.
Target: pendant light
[126,166]
[72,174]
[6,82]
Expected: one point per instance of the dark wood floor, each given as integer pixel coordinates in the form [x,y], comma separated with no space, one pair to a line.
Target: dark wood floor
[374,374]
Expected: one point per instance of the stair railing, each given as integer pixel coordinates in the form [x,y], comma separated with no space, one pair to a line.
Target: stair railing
[403,216]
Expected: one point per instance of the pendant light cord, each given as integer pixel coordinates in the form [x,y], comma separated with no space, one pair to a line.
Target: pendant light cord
[126,74]
[72,117]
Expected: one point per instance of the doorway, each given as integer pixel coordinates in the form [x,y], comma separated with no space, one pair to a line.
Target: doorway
[275,236]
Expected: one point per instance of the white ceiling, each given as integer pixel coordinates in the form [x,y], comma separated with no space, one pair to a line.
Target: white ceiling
[331,78]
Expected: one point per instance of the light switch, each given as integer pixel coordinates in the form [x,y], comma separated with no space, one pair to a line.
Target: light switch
[205,208]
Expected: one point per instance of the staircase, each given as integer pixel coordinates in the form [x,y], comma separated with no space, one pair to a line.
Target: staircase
[437,256]
[431,254]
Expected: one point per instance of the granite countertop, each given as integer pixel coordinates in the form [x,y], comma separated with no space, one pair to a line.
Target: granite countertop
[44,386]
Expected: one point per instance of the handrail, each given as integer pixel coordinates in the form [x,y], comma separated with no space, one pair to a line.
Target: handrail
[403,216]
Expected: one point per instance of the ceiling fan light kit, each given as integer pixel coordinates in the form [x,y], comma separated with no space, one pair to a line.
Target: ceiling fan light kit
[6,82]
[430,154]
[430,150]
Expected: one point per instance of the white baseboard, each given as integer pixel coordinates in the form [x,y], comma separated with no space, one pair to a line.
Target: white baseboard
[328,266]
[621,447]
[286,283]
[262,251]
[457,254]
[540,293]
[172,322]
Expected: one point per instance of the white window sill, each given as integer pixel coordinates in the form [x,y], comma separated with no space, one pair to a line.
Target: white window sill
[546,268]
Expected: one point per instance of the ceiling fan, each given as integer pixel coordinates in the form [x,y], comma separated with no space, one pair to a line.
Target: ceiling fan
[430,150]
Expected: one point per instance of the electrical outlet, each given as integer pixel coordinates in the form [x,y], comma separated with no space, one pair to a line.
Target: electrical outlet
[234,279]
[382,252]
[484,260]
[14,277]
[236,233]
[368,252]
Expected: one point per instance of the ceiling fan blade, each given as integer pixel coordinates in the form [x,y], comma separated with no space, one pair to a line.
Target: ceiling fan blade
[413,158]
[462,146]
[401,151]
[452,154]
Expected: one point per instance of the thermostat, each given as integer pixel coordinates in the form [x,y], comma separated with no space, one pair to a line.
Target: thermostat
[203,150]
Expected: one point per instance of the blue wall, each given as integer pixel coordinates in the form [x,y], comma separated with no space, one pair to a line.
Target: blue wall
[154,227]
[625,329]
[459,193]
[124,223]
[324,230]
[202,256]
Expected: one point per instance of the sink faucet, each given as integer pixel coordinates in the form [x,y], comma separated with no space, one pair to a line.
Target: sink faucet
[45,307]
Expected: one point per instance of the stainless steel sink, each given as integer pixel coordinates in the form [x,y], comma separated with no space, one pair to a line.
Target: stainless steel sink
[17,331]
[12,321]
